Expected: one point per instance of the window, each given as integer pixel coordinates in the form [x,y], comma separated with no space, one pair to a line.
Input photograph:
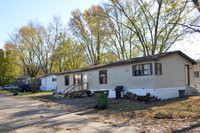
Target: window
[196,74]
[138,70]
[142,69]
[158,69]
[77,79]
[66,80]
[146,69]
[54,79]
[103,77]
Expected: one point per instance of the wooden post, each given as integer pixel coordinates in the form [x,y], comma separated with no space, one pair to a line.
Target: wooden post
[78,86]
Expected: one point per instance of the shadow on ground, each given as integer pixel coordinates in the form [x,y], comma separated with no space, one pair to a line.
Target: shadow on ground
[19,113]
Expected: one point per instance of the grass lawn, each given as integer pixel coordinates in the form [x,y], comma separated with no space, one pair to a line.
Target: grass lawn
[37,93]
[45,97]
[188,108]
[5,91]
[175,108]
[29,93]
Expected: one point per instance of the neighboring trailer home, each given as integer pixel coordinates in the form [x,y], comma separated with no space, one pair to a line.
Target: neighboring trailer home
[48,82]
[197,76]
[22,80]
[161,75]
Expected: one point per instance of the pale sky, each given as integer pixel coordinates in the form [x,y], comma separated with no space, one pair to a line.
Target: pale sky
[17,13]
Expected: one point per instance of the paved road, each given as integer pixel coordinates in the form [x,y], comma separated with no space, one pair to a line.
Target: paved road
[22,115]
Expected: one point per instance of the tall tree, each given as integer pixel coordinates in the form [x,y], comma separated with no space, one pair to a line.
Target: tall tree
[90,28]
[154,23]
[6,69]
[48,40]
[69,55]
[24,41]
[16,62]
[36,46]
[121,38]
[197,4]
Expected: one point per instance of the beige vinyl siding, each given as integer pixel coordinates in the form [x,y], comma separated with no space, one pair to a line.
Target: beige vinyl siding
[173,72]
[197,80]
[173,75]
[120,75]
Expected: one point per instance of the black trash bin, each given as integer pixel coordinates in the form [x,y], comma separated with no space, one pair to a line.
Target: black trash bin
[181,93]
[119,90]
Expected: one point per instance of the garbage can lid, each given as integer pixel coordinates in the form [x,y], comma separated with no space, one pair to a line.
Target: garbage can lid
[102,90]
[120,87]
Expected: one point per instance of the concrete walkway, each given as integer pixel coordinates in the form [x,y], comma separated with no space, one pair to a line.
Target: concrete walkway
[22,115]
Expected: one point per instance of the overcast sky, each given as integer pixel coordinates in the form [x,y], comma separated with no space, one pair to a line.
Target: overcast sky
[17,13]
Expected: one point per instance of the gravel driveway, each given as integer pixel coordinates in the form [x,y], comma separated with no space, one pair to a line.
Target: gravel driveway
[22,115]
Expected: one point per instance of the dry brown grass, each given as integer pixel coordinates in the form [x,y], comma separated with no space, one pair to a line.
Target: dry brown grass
[186,109]
[176,108]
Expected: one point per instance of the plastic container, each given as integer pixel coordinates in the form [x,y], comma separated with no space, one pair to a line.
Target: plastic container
[59,97]
[15,92]
[102,98]
[181,93]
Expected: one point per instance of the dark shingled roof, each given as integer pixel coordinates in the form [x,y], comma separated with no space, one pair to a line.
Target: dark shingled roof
[129,61]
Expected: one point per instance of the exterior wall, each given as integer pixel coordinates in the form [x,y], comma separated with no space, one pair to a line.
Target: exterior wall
[121,75]
[43,84]
[173,77]
[163,86]
[197,80]
[173,72]
[47,84]
[61,81]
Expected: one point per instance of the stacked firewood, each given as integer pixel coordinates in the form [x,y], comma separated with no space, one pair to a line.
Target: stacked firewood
[147,99]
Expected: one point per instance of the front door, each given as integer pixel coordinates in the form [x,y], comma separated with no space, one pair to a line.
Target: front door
[77,79]
[187,75]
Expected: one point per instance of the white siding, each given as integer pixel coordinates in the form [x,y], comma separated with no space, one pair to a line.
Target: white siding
[47,84]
